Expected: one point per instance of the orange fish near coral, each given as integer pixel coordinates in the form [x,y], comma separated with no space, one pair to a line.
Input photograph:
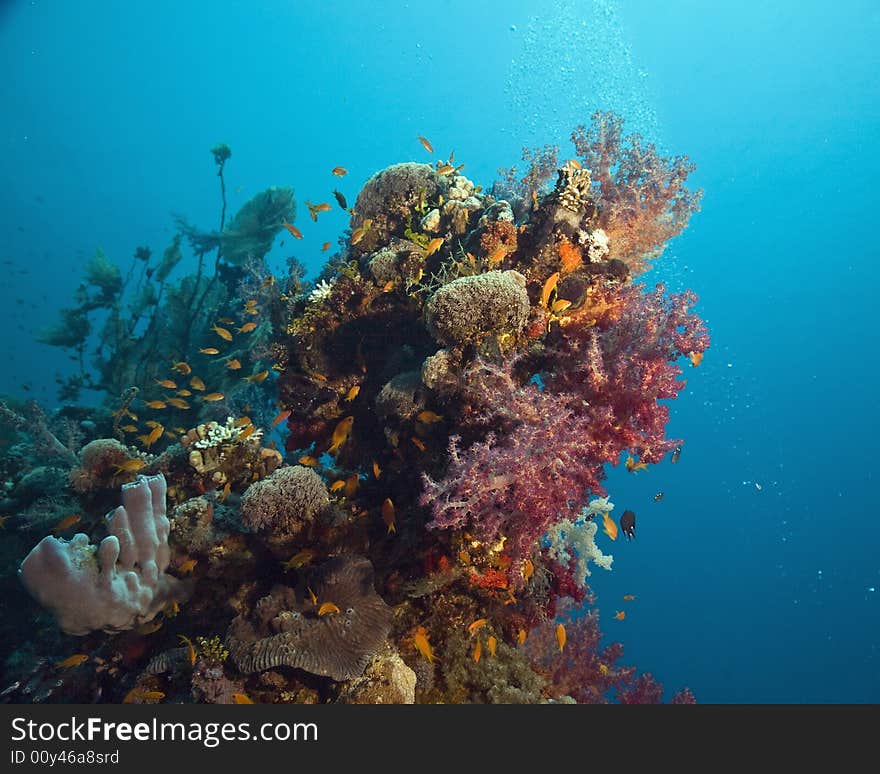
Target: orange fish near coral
[233,365]
[478,651]
[620,615]
[548,288]
[257,377]
[428,417]
[223,333]
[178,403]
[528,569]
[560,636]
[425,144]
[609,526]
[420,639]
[190,649]
[247,327]
[351,485]
[308,461]
[241,698]
[340,434]
[328,608]
[521,636]
[294,231]
[197,384]
[629,597]
[280,417]
[212,397]
[155,404]
[634,467]
[130,466]
[388,514]
[339,171]
[696,358]
[209,351]
[418,443]
[167,384]
[325,247]
[188,566]
[434,245]
[72,661]
[352,393]
[377,471]
[154,435]
[492,644]
[182,368]
[300,559]
[314,209]
[337,485]
[474,627]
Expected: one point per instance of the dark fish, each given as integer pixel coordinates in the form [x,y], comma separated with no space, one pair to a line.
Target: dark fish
[676,454]
[658,497]
[341,199]
[628,523]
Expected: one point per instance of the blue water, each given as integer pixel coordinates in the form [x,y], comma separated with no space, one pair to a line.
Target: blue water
[755,574]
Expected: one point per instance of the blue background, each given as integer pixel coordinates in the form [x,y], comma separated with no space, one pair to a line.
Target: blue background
[745,594]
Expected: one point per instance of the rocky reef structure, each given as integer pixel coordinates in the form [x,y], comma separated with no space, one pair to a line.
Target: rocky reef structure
[117,585]
[451,390]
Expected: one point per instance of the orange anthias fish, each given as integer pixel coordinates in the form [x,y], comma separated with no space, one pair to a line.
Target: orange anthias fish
[294,231]
[340,434]
[629,597]
[213,397]
[328,608]
[182,368]
[314,209]
[352,393]
[422,645]
[280,417]
[609,526]
[620,615]
[325,247]
[241,698]
[190,649]
[425,144]
[72,661]
[233,365]
[257,377]
[434,245]
[474,627]
[696,358]
[428,417]
[528,569]
[197,384]
[154,435]
[351,485]
[388,514]
[377,471]
[478,651]
[492,644]
[209,351]
[223,333]
[521,636]
[308,461]
[560,636]
[167,384]
[247,327]
[339,171]
[155,404]
[299,559]
[178,403]
[337,485]
[188,566]
[548,288]
[634,467]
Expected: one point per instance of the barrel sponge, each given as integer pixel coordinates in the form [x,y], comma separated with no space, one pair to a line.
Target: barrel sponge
[468,309]
[117,585]
[285,502]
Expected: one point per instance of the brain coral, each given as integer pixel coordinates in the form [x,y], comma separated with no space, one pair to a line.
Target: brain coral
[284,502]
[469,309]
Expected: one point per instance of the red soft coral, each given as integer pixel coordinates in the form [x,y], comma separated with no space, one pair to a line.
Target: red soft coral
[643,200]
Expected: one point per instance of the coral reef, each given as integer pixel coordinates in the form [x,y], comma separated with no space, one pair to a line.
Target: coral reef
[286,502]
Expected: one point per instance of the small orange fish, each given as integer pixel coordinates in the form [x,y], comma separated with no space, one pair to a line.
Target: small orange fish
[417,442]
[227,488]
[609,526]
[620,615]
[154,435]
[241,698]
[247,327]
[340,434]
[184,393]
[492,644]
[428,417]
[182,368]
[325,247]
[233,365]
[188,566]
[257,377]
[377,471]
[423,645]
[528,569]
[351,485]
[433,246]
[197,384]
[474,627]
[314,209]
[478,651]
[328,608]
[72,661]
[130,466]
[167,384]
[251,302]
[129,428]
[299,559]
[280,417]
[560,636]
[339,171]
[155,404]
[223,333]
[560,305]
[209,351]
[388,514]
[178,403]
[445,169]
[191,651]
[388,286]
[548,288]
[308,461]
[134,693]
[337,485]
[312,596]
[604,670]
[294,231]
[634,467]
[521,636]
[226,320]
[171,609]
[151,627]
[352,393]
[497,255]
[425,144]
[214,396]
[152,423]
[629,597]
[696,358]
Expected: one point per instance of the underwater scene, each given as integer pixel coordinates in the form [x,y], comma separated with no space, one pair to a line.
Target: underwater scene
[461,353]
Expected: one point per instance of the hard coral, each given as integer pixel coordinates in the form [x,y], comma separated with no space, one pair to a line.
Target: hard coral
[285,502]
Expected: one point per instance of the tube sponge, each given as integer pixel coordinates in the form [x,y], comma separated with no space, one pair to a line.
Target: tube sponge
[116,585]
